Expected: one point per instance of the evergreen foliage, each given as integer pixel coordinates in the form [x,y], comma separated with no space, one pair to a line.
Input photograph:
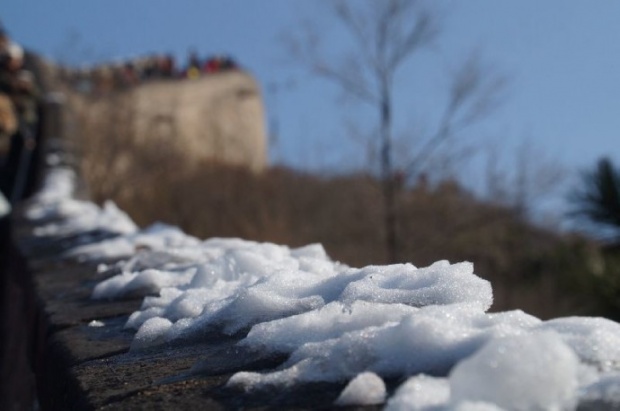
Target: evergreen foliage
[597,199]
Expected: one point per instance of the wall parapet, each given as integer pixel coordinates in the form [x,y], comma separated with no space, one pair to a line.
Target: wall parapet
[80,357]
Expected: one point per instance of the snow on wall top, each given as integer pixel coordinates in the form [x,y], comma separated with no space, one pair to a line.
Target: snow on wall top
[427,326]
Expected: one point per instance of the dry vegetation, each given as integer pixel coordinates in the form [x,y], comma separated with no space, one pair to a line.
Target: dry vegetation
[530,268]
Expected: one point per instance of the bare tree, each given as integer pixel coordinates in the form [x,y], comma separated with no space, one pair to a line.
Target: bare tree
[386,34]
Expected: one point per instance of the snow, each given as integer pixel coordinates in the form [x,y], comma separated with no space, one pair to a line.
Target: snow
[171,243]
[528,372]
[428,327]
[606,390]
[55,201]
[420,393]
[595,340]
[5,206]
[365,389]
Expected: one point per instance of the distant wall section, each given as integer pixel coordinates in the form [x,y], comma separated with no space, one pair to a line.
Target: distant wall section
[218,117]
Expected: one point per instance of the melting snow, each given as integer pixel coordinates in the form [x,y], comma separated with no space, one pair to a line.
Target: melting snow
[365,389]
[426,326]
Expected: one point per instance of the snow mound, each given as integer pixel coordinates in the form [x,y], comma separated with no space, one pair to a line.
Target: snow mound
[537,371]
[54,201]
[420,393]
[365,389]
[426,326]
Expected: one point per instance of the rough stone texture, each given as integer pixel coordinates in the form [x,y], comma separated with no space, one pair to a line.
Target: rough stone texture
[78,366]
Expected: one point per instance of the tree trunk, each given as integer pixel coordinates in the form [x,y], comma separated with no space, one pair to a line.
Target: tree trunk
[389,189]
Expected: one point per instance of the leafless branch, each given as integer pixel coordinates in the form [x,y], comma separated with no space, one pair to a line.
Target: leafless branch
[385,34]
[474,93]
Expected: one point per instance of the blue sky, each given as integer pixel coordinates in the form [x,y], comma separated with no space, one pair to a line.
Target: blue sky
[562,58]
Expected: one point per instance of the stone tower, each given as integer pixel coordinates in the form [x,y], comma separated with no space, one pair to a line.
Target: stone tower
[216,117]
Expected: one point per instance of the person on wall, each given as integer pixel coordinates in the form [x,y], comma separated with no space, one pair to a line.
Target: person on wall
[18,85]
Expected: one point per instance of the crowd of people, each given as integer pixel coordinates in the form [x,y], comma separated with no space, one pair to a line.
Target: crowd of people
[104,78]
[21,98]
[19,117]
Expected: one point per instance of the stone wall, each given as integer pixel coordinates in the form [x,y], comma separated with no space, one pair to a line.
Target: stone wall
[218,117]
